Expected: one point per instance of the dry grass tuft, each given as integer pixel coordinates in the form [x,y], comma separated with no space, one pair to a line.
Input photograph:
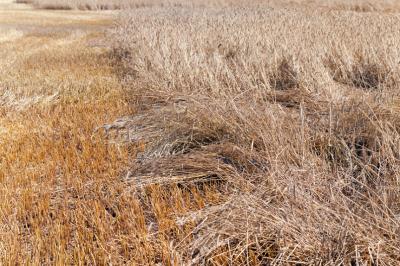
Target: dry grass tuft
[361,72]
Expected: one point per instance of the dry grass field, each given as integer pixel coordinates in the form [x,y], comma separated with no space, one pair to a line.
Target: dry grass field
[200,132]
[355,5]
[291,113]
[55,171]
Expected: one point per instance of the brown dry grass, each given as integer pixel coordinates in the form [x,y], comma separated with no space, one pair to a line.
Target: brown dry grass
[354,5]
[293,114]
[255,136]
[63,196]
[78,4]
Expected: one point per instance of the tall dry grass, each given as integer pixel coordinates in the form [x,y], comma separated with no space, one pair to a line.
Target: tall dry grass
[353,5]
[291,115]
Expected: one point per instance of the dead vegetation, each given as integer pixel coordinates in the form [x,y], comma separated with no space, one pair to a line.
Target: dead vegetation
[245,134]
[289,113]
[346,5]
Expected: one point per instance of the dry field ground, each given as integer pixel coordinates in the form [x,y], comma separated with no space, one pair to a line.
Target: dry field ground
[200,132]
[55,89]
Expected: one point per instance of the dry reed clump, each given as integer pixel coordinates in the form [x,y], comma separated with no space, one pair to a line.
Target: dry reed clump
[281,108]
[361,70]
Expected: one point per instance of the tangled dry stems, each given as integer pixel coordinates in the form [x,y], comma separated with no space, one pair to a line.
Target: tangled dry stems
[291,112]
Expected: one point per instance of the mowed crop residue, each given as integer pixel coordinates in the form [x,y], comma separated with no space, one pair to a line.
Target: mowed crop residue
[199,132]
[55,90]
[9,35]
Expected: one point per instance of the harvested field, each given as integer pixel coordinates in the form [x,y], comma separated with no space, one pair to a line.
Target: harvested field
[200,133]
[350,5]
